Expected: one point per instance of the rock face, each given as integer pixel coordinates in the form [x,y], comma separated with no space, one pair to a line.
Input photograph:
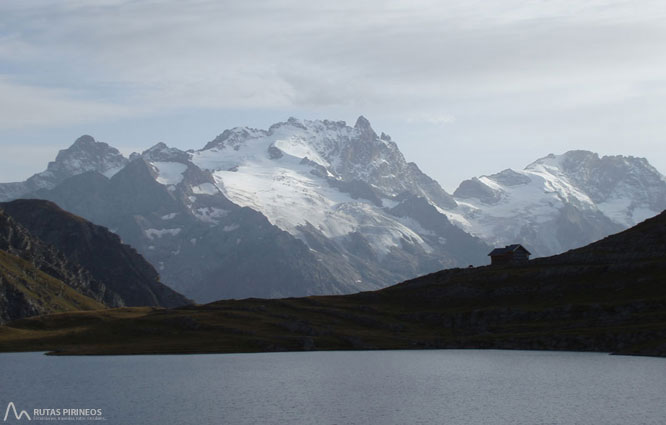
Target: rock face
[85,154]
[16,240]
[321,207]
[561,201]
[88,258]
[33,276]
[305,207]
[27,291]
[207,246]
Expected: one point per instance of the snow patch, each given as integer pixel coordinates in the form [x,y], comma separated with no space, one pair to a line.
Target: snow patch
[389,203]
[300,148]
[623,211]
[205,189]
[113,171]
[169,173]
[230,228]
[210,214]
[158,233]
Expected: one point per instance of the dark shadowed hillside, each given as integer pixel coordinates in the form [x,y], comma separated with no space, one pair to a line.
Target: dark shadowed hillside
[609,296]
[36,278]
[88,258]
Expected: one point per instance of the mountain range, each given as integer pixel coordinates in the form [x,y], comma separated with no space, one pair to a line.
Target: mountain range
[320,207]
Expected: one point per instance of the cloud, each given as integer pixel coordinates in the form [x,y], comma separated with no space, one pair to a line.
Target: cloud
[434,118]
[272,54]
[522,74]
[29,106]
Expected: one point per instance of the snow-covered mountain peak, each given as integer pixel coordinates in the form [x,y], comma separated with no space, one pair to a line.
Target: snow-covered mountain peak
[607,178]
[330,149]
[161,152]
[321,176]
[321,141]
[87,154]
[578,163]
[157,147]
[566,162]
[561,201]
[233,138]
[509,177]
[84,142]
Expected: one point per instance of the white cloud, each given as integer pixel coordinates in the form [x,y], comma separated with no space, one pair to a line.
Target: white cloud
[431,118]
[511,74]
[171,54]
[27,106]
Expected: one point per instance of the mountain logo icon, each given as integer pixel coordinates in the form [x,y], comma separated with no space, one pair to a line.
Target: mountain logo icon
[11,407]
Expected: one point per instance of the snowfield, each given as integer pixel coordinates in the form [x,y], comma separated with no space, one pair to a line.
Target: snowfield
[527,206]
[322,207]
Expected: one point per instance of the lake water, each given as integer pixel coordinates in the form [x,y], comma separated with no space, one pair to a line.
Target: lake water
[372,387]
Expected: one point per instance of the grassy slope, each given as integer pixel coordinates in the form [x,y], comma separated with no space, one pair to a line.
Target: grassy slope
[609,296]
[44,293]
[456,308]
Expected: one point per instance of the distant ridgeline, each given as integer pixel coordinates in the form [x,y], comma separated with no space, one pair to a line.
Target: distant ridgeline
[321,207]
[53,261]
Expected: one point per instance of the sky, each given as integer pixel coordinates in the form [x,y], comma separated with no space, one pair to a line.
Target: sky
[464,87]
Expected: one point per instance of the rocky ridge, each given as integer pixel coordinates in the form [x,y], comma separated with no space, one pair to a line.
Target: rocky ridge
[87,258]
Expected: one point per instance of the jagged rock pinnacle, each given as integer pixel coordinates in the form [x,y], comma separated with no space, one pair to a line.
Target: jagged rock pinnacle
[364,127]
[362,123]
[84,140]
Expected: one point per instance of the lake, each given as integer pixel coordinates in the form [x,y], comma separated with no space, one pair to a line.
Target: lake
[347,387]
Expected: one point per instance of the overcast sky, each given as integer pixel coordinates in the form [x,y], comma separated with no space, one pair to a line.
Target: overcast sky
[464,87]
